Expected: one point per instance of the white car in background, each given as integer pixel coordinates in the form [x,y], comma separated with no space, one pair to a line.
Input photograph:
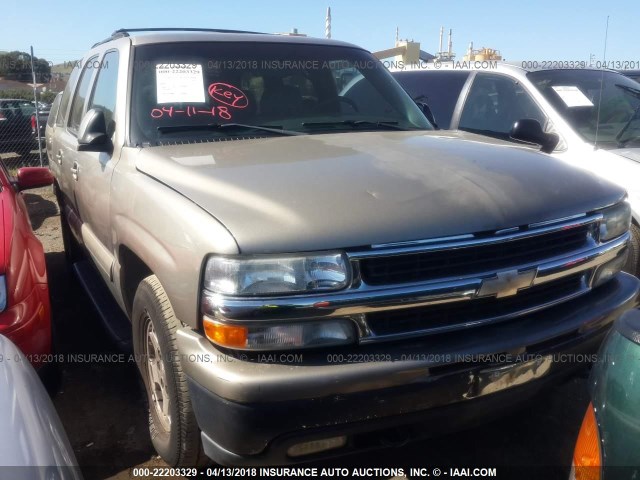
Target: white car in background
[34,444]
[595,113]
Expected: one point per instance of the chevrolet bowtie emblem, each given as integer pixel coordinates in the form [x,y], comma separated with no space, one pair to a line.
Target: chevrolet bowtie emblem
[507,283]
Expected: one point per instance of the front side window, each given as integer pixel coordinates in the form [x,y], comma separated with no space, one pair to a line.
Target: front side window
[602,106]
[104,92]
[207,91]
[80,97]
[495,103]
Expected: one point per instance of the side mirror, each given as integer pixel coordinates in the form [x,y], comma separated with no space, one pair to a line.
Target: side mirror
[92,134]
[530,131]
[426,111]
[33,177]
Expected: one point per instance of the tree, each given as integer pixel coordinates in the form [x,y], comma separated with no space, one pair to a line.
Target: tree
[47,96]
[17,66]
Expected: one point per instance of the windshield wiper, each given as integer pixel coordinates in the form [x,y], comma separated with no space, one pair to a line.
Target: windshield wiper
[356,124]
[227,128]
[633,91]
[622,143]
[636,93]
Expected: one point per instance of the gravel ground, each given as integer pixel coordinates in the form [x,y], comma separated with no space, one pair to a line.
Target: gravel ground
[103,409]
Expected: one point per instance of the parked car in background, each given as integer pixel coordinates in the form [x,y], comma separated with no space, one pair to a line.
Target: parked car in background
[610,434]
[633,74]
[25,312]
[31,429]
[604,140]
[42,105]
[307,270]
[43,117]
[17,126]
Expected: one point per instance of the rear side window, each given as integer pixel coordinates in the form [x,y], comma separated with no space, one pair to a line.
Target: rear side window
[80,97]
[104,93]
[66,97]
[439,90]
[54,110]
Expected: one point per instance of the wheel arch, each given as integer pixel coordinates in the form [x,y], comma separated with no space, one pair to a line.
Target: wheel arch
[132,271]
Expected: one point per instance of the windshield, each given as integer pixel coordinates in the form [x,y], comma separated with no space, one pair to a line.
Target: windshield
[209,91]
[576,95]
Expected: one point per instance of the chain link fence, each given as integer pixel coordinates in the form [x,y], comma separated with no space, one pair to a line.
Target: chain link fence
[23,111]
[20,144]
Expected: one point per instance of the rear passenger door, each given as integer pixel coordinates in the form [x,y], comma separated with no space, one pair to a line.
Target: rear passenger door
[56,151]
[67,141]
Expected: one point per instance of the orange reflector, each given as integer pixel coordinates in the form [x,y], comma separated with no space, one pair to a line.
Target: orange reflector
[225,335]
[586,457]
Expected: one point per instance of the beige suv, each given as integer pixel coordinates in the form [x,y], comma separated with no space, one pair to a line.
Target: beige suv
[302,264]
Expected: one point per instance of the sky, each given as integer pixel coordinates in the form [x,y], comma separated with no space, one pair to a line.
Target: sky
[541,31]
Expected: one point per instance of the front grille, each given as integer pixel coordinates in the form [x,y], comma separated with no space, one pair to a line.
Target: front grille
[467,313]
[415,267]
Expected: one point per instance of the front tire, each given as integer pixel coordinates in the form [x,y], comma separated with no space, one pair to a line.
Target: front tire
[633,260]
[172,423]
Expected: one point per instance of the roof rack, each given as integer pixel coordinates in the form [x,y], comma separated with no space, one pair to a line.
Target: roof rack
[125,32]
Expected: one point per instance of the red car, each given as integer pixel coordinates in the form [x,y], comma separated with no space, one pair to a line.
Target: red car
[25,311]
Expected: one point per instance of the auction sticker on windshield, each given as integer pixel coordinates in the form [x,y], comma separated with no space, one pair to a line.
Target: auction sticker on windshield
[179,83]
[572,96]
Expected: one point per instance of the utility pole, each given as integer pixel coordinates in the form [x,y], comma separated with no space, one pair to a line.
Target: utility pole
[35,98]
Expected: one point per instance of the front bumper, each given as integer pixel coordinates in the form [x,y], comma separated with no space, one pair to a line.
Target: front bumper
[251,409]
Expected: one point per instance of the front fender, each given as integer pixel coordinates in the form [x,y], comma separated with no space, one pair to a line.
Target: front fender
[169,233]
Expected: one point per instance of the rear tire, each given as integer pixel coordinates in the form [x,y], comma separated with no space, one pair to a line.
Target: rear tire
[72,249]
[633,260]
[172,423]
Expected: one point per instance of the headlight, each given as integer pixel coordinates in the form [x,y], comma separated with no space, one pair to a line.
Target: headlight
[616,221]
[276,275]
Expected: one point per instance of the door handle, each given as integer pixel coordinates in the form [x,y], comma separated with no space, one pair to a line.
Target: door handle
[59,157]
[74,171]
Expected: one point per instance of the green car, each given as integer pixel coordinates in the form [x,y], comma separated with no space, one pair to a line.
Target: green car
[608,446]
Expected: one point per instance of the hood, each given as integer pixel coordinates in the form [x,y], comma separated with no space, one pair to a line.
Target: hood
[314,192]
[630,153]
[620,166]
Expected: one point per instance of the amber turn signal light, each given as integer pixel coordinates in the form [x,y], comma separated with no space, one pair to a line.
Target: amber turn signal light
[225,335]
[587,458]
